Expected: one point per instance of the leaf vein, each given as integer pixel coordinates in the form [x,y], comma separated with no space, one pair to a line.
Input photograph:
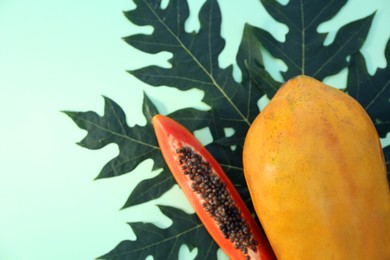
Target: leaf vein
[378,94]
[341,48]
[117,134]
[210,76]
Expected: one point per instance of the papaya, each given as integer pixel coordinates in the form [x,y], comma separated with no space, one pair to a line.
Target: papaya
[315,170]
[210,192]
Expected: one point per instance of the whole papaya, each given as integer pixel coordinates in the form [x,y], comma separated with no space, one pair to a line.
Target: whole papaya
[316,174]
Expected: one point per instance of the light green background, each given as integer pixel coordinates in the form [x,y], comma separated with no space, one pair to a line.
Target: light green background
[63,55]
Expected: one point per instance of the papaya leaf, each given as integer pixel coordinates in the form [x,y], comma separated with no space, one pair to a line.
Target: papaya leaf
[249,53]
[135,144]
[150,189]
[372,92]
[263,80]
[195,59]
[165,243]
[254,70]
[304,51]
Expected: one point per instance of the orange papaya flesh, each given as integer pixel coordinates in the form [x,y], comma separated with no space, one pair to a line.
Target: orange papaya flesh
[315,170]
[210,192]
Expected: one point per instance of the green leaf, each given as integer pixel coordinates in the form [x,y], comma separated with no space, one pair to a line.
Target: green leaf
[195,59]
[373,92]
[249,53]
[150,189]
[303,50]
[148,108]
[165,243]
[135,144]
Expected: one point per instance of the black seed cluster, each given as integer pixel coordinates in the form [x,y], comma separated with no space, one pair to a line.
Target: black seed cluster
[217,200]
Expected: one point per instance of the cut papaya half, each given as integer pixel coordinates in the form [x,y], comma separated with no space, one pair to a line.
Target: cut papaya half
[210,192]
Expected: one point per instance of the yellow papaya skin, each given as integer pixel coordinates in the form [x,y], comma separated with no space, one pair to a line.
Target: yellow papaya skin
[315,170]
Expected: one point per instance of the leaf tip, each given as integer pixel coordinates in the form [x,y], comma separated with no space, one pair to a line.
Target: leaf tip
[106,99]
[80,143]
[148,107]
[370,17]
[67,112]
